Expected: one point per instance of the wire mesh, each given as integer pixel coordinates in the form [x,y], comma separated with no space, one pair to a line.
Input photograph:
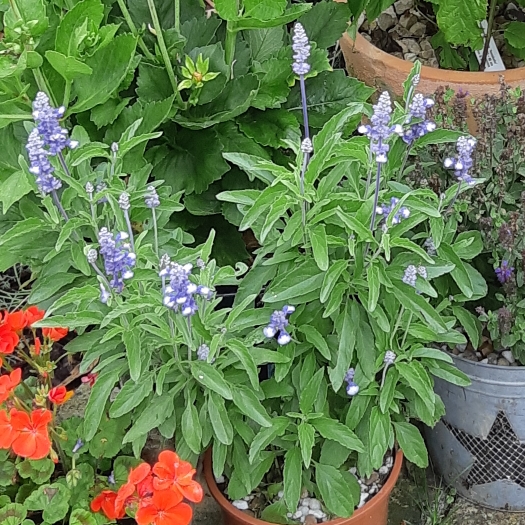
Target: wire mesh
[501,456]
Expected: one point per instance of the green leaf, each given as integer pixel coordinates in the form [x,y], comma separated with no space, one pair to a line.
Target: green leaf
[417,378]
[291,14]
[227,9]
[401,242]
[347,340]
[39,471]
[431,353]
[191,427]
[265,42]
[12,514]
[325,23]
[310,392]
[52,499]
[292,478]
[131,339]
[110,65]
[27,11]
[69,68]
[97,401]
[218,457]
[515,34]
[82,517]
[246,359]
[331,277]
[131,395]
[306,433]
[316,339]
[333,453]
[355,226]
[334,490]
[275,513]
[267,435]
[374,286]
[388,390]
[459,21]
[211,378]
[379,436]
[246,401]
[14,188]
[317,235]
[470,323]
[336,431]
[449,373]
[220,421]
[438,136]
[459,273]
[411,443]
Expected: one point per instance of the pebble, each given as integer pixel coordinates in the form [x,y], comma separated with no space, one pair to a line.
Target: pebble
[462,347]
[503,362]
[374,477]
[305,502]
[352,470]
[304,494]
[384,470]
[302,518]
[403,5]
[418,29]
[407,20]
[240,504]
[310,519]
[479,355]
[315,504]
[409,45]
[387,19]
[297,515]
[304,510]
[219,480]
[485,361]
[319,514]
[507,354]
[289,515]
[280,494]
[492,358]
[469,355]
[411,57]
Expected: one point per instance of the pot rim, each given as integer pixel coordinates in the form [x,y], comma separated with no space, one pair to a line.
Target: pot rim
[223,502]
[365,47]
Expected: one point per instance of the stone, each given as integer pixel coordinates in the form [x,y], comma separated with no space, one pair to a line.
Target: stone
[502,362]
[455,351]
[366,36]
[353,470]
[374,477]
[419,29]
[479,355]
[409,45]
[297,515]
[425,45]
[302,518]
[507,354]
[310,520]
[515,364]
[240,504]
[305,502]
[428,54]
[304,494]
[407,20]
[315,504]
[485,351]
[411,57]
[493,358]
[304,510]
[319,514]
[485,361]
[280,494]
[289,514]
[468,354]
[220,480]
[403,5]
[384,470]
[387,19]
[462,347]
[249,512]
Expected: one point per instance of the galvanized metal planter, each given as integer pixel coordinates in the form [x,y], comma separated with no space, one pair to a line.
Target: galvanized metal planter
[479,446]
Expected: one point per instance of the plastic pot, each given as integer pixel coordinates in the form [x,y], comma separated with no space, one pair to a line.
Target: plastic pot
[374,512]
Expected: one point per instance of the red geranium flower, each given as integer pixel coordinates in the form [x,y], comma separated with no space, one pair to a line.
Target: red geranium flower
[15,320]
[173,473]
[164,508]
[106,501]
[139,480]
[33,314]
[89,379]
[59,395]
[8,383]
[33,440]
[7,433]
[55,334]
[38,344]
[8,339]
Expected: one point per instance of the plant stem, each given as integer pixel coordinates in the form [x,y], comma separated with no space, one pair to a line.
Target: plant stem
[56,200]
[63,457]
[376,198]
[43,85]
[410,315]
[488,36]
[164,50]
[63,164]
[67,94]
[229,46]
[155,232]
[177,15]
[189,346]
[133,28]
[396,326]
[405,160]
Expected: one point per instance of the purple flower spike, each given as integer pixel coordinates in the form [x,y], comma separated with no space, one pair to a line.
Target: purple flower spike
[277,325]
[505,272]
[463,162]
[40,165]
[380,130]
[352,388]
[418,110]
[301,49]
[118,258]
[386,210]
[152,199]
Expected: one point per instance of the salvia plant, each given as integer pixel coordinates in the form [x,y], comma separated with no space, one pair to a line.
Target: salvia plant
[345,277]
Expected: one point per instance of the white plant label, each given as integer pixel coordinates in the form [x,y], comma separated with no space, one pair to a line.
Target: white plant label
[494,61]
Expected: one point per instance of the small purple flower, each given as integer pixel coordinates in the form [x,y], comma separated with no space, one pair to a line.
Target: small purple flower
[179,294]
[410,275]
[352,388]
[386,210]
[463,162]
[389,358]
[505,272]
[379,131]
[118,257]
[277,325]
[40,165]
[152,199]
[418,110]
[78,445]
[301,49]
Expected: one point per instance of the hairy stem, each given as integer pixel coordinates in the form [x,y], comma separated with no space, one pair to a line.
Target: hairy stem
[58,204]
[376,197]
[155,232]
[133,29]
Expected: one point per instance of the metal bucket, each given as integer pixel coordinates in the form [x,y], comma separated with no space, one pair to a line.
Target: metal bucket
[479,446]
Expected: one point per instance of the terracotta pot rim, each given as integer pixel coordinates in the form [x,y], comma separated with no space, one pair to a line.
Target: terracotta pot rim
[432,73]
[223,502]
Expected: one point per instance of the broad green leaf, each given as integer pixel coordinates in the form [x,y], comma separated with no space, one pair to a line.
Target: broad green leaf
[32,14]
[459,273]
[246,401]
[219,418]
[306,433]
[334,490]
[379,436]
[191,427]
[12,514]
[418,379]
[69,68]
[218,457]
[439,136]
[110,65]
[211,377]
[246,359]
[374,286]
[431,353]
[310,392]
[333,453]
[336,431]
[470,323]
[39,471]
[331,277]
[388,390]
[449,373]
[291,14]
[82,517]
[459,21]
[316,339]
[347,340]
[14,188]
[325,23]
[131,339]
[52,499]
[355,226]
[407,244]
[267,435]
[227,9]
[265,42]
[515,34]
[319,243]
[292,478]
[411,443]
[131,395]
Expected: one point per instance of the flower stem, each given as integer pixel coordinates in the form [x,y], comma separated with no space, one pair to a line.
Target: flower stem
[155,231]
[63,164]
[488,36]
[133,29]
[190,345]
[164,50]
[130,230]
[376,198]
[56,200]
[405,160]
[396,326]
[229,46]
[410,315]
[177,15]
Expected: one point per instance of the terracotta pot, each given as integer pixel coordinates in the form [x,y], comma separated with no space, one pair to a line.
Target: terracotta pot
[379,69]
[375,512]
